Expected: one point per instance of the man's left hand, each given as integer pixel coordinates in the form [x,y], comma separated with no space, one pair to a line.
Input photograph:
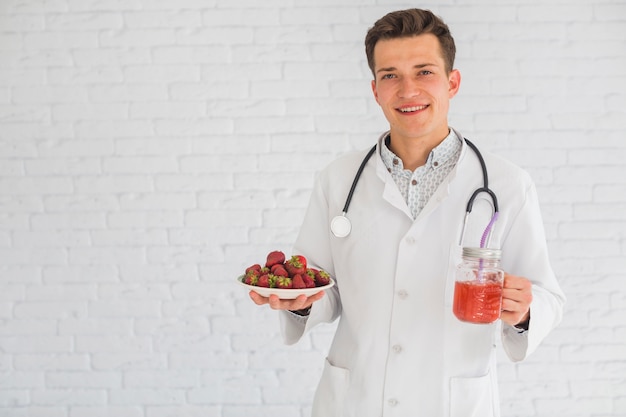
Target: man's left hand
[516,297]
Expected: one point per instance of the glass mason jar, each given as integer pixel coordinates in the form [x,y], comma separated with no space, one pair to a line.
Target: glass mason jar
[478,286]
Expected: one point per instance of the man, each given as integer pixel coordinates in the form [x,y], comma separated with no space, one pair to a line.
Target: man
[398,349]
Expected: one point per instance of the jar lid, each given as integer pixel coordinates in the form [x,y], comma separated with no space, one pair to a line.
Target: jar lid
[482,253]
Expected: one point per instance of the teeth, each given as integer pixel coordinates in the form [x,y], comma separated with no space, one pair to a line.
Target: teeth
[410,109]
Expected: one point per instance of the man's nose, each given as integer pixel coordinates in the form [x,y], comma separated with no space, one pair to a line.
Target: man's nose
[408,88]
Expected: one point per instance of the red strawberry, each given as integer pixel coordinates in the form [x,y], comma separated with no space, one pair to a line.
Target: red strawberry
[296,265]
[255,267]
[263,281]
[322,278]
[283,282]
[300,259]
[251,279]
[298,282]
[308,281]
[273,278]
[309,277]
[275,257]
[279,270]
[250,275]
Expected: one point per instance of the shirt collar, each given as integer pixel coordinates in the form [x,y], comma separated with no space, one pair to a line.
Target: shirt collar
[442,154]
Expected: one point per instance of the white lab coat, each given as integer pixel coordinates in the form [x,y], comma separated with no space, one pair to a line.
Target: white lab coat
[398,350]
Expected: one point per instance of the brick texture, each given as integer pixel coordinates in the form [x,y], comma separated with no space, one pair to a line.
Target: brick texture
[151,149]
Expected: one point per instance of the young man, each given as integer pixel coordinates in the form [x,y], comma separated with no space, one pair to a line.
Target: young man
[398,349]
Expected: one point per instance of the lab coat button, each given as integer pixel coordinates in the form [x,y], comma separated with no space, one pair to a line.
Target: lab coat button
[410,240]
[397,348]
[392,402]
[403,294]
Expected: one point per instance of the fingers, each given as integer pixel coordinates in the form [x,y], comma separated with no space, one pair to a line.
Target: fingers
[258,299]
[518,290]
[513,312]
[515,282]
[295,304]
[516,299]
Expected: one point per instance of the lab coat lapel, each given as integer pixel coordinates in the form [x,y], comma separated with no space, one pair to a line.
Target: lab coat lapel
[391,193]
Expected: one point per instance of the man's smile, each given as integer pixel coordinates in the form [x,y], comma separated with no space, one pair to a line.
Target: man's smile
[411,109]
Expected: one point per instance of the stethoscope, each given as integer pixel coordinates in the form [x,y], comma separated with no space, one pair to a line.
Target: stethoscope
[340,225]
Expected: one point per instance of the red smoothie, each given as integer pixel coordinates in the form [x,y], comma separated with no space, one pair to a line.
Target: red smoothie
[476,302]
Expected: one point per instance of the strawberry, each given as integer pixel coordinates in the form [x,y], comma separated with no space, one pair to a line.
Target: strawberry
[251,276]
[263,281]
[296,265]
[308,281]
[300,259]
[298,282]
[279,270]
[251,279]
[255,267]
[275,257]
[273,278]
[309,277]
[283,282]
[322,278]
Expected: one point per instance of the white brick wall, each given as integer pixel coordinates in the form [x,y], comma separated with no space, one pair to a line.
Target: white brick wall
[150,149]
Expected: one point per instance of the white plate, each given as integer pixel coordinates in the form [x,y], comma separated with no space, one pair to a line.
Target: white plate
[285,293]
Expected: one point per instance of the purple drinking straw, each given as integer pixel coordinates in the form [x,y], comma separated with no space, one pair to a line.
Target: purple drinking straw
[487,231]
[483,242]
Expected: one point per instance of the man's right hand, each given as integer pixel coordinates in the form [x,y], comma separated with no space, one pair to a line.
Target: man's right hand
[299,303]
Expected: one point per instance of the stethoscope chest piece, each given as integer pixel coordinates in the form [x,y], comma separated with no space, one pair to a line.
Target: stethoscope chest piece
[340,226]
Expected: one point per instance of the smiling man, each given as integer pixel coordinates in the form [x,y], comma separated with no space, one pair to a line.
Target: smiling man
[413,85]
[399,350]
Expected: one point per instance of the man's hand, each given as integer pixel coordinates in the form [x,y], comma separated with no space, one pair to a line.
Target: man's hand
[299,303]
[516,297]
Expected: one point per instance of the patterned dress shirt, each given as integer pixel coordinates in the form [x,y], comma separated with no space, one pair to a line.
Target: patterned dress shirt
[418,186]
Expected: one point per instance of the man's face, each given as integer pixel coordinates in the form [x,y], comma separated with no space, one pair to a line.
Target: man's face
[412,87]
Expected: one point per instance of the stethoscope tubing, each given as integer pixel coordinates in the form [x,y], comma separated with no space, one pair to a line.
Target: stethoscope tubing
[356,179]
[341,226]
[485,188]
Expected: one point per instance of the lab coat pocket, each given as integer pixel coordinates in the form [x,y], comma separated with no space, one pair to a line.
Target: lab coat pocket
[472,397]
[330,396]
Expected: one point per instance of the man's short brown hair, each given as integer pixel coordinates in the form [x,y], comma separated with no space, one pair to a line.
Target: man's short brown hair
[407,23]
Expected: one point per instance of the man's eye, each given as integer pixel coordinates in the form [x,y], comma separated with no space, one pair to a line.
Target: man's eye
[387,76]
[425,72]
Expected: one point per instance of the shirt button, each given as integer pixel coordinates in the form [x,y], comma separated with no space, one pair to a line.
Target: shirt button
[414,182]
[397,348]
[403,294]
[435,164]
[392,402]
[395,161]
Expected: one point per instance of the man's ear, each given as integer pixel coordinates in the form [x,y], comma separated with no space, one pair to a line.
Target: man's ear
[375,91]
[454,80]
